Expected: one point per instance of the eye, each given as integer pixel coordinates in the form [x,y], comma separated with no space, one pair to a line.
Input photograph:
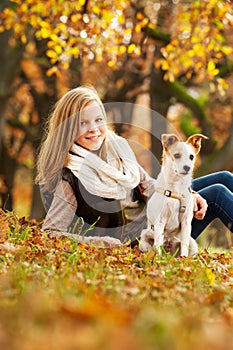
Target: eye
[191,156]
[99,120]
[177,155]
[83,122]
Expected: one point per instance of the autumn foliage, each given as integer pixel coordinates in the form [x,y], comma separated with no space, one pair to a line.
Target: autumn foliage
[176,53]
[99,30]
[57,293]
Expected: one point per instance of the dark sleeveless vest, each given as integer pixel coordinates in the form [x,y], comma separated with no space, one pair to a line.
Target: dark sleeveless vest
[102,214]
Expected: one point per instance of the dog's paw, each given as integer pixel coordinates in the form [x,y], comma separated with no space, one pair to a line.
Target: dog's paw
[146,242]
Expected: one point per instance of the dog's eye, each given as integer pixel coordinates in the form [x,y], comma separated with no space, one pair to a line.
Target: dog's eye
[191,156]
[177,155]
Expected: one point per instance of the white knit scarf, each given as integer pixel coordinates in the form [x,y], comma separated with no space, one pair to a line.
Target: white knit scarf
[109,178]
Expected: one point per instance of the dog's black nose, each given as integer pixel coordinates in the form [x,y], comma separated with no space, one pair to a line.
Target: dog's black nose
[186,168]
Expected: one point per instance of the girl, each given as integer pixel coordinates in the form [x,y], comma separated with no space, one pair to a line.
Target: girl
[92,183]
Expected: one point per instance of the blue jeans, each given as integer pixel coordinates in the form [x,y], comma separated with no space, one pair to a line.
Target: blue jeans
[217,189]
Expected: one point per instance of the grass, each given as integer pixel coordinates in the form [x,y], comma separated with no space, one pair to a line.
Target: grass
[58,294]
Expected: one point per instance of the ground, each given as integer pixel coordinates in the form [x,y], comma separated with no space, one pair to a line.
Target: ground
[58,294]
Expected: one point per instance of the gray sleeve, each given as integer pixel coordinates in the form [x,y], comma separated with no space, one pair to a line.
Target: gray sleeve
[62,209]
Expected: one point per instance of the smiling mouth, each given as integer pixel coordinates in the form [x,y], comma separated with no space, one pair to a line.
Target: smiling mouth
[93,138]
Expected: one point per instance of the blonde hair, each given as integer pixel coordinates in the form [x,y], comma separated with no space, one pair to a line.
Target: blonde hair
[60,134]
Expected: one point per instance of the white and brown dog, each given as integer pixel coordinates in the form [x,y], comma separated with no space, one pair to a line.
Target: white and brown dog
[170,208]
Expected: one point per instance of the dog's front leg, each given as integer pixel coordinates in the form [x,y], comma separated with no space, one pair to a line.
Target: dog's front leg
[159,236]
[193,247]
[185,234]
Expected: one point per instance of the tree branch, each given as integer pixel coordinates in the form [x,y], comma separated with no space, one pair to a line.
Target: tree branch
[157,34]
[181,94]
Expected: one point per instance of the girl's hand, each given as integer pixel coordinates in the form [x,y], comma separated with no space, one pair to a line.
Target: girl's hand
[200,206]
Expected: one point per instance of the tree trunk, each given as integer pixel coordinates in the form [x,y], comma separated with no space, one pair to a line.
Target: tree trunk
[10,58]
[8,166]
[159,103]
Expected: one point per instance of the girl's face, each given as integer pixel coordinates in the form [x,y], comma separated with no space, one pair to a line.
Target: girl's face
[92,130]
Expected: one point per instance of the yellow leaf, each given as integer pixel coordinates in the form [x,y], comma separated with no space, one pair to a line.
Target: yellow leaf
[215,71]
[65,65]
[58,49]
[96,9]
[34,20]
[51,71]
[72,51]
[8,13]
[121,19]
[51,54]
[191,53]
[212,68]
[197,48]
[24,7]
[75,18]
[138,28]
[50,44]
[111,63]
[45,33]
[54,37]
[99,57]
[164,65]
[122,49]
[199,64]
[44,24]
[227,50]
[131,48]
[210,276]
[18,28]
[128,31]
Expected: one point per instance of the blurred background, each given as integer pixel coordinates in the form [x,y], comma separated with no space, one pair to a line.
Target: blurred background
[172,57]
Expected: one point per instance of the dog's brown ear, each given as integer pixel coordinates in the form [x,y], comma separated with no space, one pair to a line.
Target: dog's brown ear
[195,141]
[169,140]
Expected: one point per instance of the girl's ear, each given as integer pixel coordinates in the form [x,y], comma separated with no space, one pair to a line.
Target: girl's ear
[168,140]
[195,141]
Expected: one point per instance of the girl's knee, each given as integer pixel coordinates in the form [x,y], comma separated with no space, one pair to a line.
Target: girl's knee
[219,188]
[226,178]
[224,175]
[214,192]
[227,174]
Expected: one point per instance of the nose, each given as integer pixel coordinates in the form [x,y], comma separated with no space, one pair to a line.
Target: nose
[92,127]
[186,168]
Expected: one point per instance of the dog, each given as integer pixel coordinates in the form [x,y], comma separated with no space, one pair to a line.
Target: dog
[170,208]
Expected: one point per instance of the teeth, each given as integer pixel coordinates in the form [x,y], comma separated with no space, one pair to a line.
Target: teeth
[93,137]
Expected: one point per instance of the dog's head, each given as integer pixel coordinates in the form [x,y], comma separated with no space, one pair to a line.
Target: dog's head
[180,156]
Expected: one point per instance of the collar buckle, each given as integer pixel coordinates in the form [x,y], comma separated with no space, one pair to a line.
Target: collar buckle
[167,193]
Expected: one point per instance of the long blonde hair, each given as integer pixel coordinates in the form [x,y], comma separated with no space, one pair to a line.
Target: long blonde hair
[60,134]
